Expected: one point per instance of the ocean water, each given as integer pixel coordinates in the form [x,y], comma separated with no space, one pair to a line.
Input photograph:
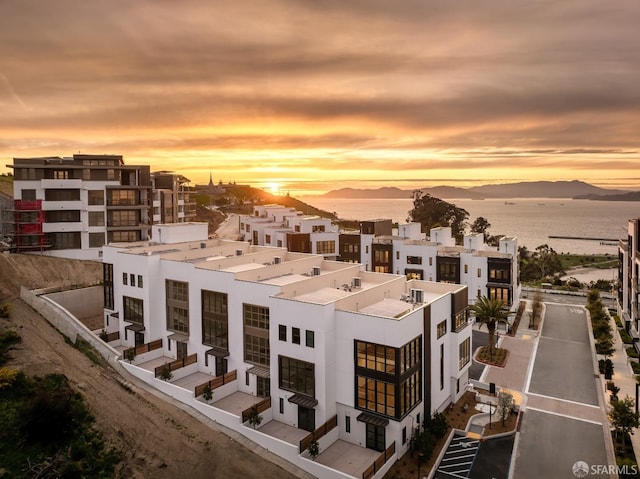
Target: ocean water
[531,220]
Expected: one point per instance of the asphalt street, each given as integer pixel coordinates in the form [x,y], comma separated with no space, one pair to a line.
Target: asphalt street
[563,421]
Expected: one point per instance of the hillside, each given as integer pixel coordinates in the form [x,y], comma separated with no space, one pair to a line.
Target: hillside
[630,196]
[154,437]
[6,185]
[532,189]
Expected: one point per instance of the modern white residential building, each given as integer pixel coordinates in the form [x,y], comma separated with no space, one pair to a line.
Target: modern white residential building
[281,226]
[70,207]
[343,356]
[629,280]
[485,270]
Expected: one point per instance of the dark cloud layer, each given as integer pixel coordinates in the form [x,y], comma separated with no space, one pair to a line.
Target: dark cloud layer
[431,84]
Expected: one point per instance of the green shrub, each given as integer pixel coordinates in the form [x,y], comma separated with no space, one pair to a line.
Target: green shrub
[626,339]
[636,367]
[631,352]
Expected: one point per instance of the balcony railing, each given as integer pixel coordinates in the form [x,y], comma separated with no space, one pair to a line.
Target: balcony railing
[216,382]
[380,462]
[318,433]
[177,364]
[260,407]
[144,348]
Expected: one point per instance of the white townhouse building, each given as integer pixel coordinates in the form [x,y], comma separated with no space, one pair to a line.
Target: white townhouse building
[285,227]
[358,357]
[628,297]
[485,270]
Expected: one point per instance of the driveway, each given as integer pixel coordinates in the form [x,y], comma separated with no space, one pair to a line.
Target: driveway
[564,421]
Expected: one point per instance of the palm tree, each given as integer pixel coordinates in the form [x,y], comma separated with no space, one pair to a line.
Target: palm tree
[490,312]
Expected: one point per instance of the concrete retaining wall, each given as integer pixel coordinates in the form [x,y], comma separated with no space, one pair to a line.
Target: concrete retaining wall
[67,323]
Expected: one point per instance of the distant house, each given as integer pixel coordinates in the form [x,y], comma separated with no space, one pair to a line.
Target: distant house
[628,294]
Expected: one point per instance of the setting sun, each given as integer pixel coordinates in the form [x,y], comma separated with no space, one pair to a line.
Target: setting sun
[274,188]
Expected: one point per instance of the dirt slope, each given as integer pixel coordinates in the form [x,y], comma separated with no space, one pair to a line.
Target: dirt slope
[158,439]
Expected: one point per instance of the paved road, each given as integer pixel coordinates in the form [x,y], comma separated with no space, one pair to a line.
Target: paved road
[563,421]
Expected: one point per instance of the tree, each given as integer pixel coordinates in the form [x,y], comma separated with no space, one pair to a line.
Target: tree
[490,312]
[433,212]
[207,393]
[480,225]
[547,261]
[623,417]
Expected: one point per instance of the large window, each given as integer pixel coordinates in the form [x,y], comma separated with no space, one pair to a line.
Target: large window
[376,357]
[215,319]
[460,320]
[96,240]
[133,310]
[124,236]
[96,218]
[442,328]
[464,352]
[383,387]
[123,218]
[62,216]
[325,247]
[414,259]
[376,396]
[62,195]
[107,275]
[68,240]
[96,197]
[499,293]
[177,298]
[296,375]
[256,334]
[122,197]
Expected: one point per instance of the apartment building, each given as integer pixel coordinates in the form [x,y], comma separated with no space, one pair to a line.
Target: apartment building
[71,206]
[173,198]
[628,295]
[379,247]
[360,356]
[281,226]
[485,270]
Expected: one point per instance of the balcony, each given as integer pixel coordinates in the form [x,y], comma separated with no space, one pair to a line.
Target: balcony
[62,205]
[51,184]
[62,227]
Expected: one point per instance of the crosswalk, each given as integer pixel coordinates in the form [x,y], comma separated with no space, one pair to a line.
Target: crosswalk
[458,458]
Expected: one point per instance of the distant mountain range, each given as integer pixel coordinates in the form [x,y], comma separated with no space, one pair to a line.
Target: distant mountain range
[532,189]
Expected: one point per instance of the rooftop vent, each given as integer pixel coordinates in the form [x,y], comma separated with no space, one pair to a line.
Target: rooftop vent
[277,260]
[238,252]
[417,295]
[315,271]
[357,282]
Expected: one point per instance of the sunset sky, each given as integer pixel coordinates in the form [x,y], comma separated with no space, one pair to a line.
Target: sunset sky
[317,95]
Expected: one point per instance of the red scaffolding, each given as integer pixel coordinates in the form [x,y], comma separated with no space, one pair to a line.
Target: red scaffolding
[28,218]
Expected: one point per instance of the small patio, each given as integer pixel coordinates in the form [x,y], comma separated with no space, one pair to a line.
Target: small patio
[284,432]
[192,380]
[152,364]
[347,458]
[236,402]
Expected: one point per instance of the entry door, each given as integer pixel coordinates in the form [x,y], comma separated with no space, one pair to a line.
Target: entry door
[139,338]
[306,419]
[181,349]
[263,387]
[375,437]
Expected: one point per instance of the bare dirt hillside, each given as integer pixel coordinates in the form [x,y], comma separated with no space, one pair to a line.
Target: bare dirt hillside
[157,439]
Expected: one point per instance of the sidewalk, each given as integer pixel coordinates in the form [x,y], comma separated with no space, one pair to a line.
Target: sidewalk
[624,378]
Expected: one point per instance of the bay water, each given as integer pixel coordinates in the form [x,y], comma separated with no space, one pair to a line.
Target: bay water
[531,220]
